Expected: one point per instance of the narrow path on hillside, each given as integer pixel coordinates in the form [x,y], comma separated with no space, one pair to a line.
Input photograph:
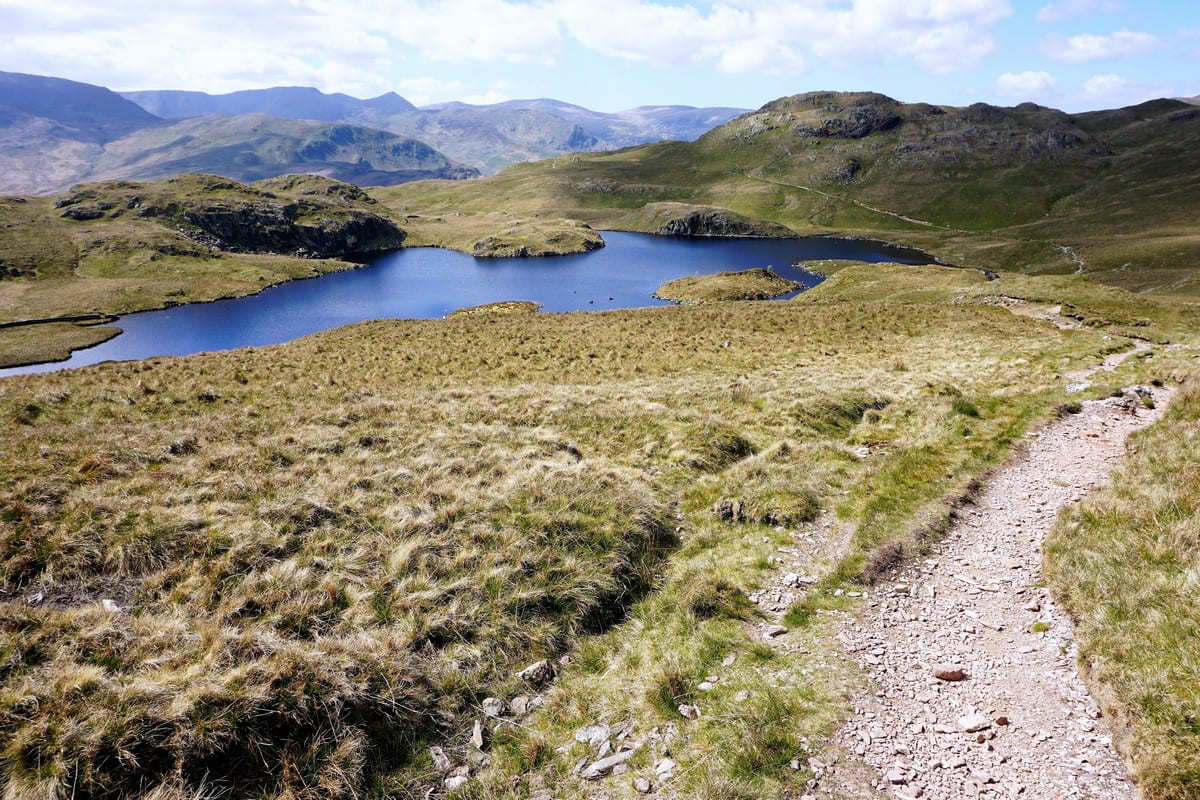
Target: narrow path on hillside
[1076,259]
[973,689]
[924,222]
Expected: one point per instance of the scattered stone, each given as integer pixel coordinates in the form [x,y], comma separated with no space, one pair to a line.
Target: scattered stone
[110,606]
[477,735]
[664,767]
[520,705]
[642,785]
[494,707]
[688,711]
[440,760]
[974,722]
[949,672]
[605,765]
[455,782]
[537,673]
[771,631]
[592,735]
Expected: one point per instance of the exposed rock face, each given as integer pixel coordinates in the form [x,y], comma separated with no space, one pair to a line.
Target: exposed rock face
[719,222]
[855,124]
[296,228]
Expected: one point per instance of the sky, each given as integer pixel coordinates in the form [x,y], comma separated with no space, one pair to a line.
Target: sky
[614,54]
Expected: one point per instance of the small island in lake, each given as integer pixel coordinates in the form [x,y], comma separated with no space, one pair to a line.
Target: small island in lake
[750,284]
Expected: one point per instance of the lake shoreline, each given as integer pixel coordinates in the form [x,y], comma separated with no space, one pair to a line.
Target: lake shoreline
[412,285]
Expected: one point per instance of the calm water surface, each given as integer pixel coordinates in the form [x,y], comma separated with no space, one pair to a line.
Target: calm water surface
[429,282]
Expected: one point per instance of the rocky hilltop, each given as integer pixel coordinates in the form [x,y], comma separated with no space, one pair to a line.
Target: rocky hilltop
[303,216]
[921,133]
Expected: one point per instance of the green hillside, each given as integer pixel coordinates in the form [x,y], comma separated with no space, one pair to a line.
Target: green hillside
[1112,194]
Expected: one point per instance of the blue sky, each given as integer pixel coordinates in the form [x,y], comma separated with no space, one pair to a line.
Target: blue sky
[614,54]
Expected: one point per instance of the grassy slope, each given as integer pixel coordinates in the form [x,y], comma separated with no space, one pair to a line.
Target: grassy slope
[359,535]
[994,193]
[1125,563]
[750,284]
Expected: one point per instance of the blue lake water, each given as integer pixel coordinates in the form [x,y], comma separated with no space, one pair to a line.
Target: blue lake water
[430,282]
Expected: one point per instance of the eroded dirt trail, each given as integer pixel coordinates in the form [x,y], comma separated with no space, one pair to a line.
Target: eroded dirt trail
[1019,723]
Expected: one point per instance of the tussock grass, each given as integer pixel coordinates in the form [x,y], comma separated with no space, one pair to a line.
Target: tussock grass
[326,553]
[1124,562]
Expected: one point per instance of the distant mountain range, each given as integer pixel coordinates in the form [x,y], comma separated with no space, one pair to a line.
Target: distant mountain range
[55,133]
[488,137]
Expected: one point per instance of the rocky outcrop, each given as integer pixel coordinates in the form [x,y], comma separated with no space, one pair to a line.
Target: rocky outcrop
[721,222]
[301,228]
[854,123]
[305,216]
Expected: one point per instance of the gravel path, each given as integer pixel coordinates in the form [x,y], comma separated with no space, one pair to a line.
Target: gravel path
[1009,715]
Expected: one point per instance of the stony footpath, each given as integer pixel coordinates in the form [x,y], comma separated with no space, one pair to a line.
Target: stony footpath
[973,686]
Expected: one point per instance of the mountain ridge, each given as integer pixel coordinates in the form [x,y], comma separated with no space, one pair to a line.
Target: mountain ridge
[55,133]
[488,137]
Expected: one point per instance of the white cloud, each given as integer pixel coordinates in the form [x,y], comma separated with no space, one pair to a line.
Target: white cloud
[1025,85]
[1107,85]
[363,46]
[498,93]
[1086,47]
[1069,9]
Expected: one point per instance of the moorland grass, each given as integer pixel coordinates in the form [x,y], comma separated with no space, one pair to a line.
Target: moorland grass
[325,554]
[1125,562]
